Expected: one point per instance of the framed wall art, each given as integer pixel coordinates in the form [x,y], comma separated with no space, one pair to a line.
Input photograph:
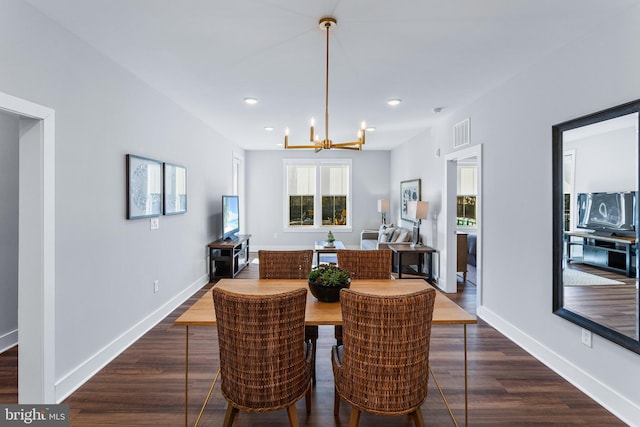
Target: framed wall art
[409,190]
[175,189]
[144,187]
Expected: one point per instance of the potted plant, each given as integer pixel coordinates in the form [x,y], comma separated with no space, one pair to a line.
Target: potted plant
[326,280]
[330,240]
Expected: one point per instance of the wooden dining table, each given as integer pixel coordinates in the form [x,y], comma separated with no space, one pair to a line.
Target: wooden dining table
[445,312]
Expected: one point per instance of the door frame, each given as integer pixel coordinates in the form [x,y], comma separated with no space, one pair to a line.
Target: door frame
[450,223]
[36,250]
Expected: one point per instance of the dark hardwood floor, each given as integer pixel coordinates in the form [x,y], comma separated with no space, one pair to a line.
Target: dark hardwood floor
[614,306]
[144,386]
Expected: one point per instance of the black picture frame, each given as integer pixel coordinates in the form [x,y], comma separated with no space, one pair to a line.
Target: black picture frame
[175,189]
[144,187]
[409,190]
[561,240]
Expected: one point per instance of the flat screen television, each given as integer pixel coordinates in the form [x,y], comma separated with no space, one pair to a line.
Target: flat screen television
[608,213]
[230,217]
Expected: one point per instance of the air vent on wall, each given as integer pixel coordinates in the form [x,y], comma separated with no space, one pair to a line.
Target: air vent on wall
[461,135]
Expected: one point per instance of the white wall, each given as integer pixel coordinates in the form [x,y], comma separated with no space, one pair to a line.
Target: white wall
[417,159]
[105,264]
[513,122]
[599,165]
[9,126]
[265,195]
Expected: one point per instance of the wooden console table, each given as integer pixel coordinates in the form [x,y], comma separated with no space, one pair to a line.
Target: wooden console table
[228,257]
[613,253]
[421,251]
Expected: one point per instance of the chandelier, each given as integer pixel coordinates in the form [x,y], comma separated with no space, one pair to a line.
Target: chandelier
[326,24]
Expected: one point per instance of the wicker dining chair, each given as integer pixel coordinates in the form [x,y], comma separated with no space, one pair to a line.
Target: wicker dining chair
[285,264]
[290,265]
[364,264]
[383,366]
[263,363]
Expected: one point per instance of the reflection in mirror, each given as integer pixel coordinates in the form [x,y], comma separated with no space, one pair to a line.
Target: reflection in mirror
[596,223]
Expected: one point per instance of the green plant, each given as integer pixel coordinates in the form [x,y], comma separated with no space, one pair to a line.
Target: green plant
[330,238]
[329,275]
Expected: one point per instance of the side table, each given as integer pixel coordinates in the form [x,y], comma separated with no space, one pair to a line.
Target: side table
[320,248]
[421,251]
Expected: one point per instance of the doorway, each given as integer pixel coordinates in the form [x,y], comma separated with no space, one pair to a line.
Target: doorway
[36,249]
[452,161]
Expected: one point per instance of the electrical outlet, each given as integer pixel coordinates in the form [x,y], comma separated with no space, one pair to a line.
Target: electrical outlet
[155,223]
[586,337]
[156,286]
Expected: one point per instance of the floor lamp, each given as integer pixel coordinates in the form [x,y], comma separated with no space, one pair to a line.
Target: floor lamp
[417,210]
[383,207]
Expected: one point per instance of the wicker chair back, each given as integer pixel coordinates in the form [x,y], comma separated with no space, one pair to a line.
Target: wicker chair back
[285,264]
[366,264]
[385,360]
[263,366]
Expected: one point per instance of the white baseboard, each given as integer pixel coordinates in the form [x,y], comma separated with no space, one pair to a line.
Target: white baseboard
[8,340]
[81,374]
[615,403]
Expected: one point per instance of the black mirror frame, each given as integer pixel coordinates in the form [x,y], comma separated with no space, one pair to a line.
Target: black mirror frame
[558,229]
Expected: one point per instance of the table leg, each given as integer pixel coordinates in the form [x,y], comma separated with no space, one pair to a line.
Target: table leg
[466,387]
[204,405]
[430,267]
[466,381]
[444,398]
[211,264]
[399,265]
[186,380]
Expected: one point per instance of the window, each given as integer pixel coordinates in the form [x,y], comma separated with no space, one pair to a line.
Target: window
[466,215]
[301,188]
[467,193]
[317,186]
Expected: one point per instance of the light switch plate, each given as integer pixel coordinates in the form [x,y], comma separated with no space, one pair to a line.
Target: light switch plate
[155,223]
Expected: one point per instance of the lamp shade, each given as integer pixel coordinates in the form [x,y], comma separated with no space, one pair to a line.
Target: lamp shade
[417,209]
[383,205]
[422,210]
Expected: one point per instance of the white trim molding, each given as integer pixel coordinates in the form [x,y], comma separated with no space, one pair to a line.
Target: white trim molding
[36,250]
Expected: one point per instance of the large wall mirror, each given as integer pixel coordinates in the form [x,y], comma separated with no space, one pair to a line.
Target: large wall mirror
[595,223]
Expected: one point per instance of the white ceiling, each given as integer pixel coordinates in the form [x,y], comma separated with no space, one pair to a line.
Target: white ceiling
[207,55]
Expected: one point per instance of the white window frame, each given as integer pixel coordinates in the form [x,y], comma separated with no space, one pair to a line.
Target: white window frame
[317,219]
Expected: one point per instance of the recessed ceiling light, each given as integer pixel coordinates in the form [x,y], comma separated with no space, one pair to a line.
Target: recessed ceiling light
[251,101]
[370,129]
[268,128]
[394,101]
